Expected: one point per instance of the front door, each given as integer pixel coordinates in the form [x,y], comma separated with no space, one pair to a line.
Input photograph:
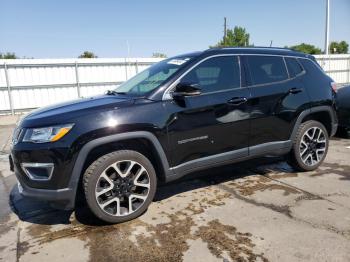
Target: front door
[216,121]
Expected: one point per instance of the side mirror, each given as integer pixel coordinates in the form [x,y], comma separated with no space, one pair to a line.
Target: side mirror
[186,89]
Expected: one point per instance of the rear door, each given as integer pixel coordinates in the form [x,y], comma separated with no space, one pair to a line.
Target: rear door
[276,98]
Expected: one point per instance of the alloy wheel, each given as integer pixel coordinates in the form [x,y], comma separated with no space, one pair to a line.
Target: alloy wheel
[313,146]
[122,188]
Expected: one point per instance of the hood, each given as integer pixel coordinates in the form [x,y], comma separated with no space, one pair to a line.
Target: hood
[63,112]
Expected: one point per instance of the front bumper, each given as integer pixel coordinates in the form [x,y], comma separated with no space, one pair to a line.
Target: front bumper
[60,198]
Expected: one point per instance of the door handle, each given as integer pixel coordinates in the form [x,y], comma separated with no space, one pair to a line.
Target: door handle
[295,90]
[237,101]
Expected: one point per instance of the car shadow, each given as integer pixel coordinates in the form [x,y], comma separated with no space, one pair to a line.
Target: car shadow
[39,212]
[222,174]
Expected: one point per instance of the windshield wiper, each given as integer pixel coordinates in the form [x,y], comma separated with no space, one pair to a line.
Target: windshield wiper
[113,92]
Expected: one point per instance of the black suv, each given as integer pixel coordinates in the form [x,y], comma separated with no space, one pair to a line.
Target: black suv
[183,114]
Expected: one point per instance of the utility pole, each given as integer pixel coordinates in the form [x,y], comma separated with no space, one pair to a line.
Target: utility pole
[326,44]
[225,31]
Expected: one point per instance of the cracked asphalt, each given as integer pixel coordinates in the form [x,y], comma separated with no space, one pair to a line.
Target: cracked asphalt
[259,210]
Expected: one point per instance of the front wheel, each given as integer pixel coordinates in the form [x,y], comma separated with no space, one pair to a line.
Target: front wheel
[310,146]
[119,186]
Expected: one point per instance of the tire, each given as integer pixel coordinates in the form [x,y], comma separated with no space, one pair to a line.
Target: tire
[113,180]
[308,154]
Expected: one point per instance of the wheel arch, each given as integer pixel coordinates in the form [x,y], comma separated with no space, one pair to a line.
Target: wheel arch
[323,114]
[120,141]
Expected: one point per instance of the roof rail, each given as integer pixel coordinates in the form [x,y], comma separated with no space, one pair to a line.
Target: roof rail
[252,47]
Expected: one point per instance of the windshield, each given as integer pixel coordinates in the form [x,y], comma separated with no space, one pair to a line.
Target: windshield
[152,77]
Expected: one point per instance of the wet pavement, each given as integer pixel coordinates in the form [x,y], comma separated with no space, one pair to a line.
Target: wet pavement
[259,210]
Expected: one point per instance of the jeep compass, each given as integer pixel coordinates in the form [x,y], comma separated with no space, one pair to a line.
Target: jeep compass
[183,114]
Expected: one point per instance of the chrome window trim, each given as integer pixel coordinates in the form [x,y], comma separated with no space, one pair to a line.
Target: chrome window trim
[285,65]
[276,82]
[166,95]
[38,165]
[302,72]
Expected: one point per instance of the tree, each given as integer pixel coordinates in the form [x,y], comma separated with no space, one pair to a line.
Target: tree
[341,47]
[234,37]
[87,54]
[159,55]
[8,55]
[306,48]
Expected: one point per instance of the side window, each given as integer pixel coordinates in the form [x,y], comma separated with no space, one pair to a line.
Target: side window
[313,69]
[266,69]
[215,74]
[294,68]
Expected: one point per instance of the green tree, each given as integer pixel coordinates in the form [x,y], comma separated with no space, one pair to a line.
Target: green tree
[306,48]
[341,47]
[87,54]
[234,37]
[8,55]
[159,55]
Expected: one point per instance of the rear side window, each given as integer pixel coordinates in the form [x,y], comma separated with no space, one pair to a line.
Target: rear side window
[294,68]
[215,74]
[312,68]
[266,69]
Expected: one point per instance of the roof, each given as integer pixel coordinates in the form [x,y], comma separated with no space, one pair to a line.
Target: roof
[256,50]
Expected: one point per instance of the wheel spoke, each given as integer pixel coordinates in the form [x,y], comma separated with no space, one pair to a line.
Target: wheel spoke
[116,167]
[127,172]
[137,183]
[308,135]
[303,152]
[104,191]
[138,196]
[131,165]
[105,177]
[110,201]
[107,189]
[320,151]
[303,143]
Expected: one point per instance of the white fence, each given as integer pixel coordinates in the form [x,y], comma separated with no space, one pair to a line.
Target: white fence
[336,66]
[32,83]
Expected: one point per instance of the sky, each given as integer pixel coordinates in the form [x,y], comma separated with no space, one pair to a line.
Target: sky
[138,28]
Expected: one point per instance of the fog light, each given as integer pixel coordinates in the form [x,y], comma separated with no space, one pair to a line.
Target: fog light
[38,171]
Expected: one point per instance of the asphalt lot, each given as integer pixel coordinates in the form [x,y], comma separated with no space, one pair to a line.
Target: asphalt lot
[259,210]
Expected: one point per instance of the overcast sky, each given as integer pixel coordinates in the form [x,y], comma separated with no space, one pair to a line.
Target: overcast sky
[65,28]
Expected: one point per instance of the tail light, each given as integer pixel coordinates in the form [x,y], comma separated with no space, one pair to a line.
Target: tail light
[334,86]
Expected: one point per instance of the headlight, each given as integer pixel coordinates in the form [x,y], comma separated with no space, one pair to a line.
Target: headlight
[46,134]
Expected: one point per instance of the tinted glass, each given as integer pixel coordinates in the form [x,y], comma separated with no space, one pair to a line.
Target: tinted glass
[266,69]
[215,74]
[312,69]
[152,77]
[294,68]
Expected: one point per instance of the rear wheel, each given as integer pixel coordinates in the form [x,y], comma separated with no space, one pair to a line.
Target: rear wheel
[310,146]
[119,186]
